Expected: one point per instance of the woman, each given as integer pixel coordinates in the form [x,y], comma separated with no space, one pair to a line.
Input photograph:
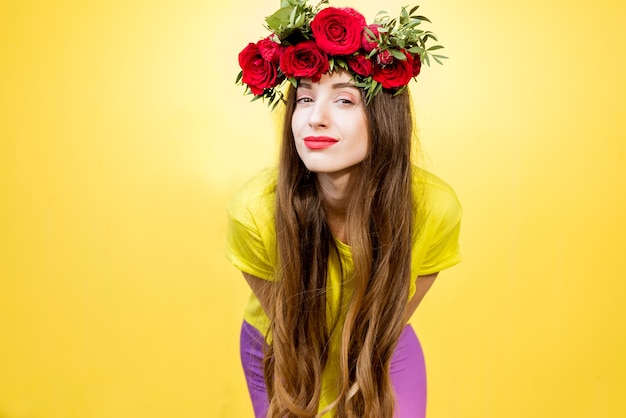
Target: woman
[342,241]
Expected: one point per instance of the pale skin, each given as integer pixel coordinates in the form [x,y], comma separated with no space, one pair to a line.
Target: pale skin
[333,107]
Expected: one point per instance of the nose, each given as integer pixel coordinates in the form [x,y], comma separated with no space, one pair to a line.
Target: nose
[319,115]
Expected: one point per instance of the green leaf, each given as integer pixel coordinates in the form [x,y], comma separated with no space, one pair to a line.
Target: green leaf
[376,88]
[400,90]
[434,47]
[415,22]
[397,54]
[300,21]
[437,58]
[404,16]
[369,35]
[239,76]
[279,19]
[430,35]
[292,17]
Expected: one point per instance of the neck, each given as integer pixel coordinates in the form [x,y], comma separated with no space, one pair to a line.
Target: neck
[335,190]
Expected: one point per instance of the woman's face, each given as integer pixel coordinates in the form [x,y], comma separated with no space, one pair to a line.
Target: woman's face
[329,124]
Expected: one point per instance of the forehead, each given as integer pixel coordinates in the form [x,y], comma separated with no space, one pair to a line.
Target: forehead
[330,78]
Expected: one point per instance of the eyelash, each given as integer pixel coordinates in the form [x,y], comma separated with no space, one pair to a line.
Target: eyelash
[309,100]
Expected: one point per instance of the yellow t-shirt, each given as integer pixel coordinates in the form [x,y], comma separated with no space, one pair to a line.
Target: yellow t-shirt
[251,246]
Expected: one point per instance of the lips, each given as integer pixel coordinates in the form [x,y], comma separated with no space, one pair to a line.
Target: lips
[319,142]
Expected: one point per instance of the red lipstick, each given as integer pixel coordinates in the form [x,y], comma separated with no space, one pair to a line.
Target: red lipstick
[319,142]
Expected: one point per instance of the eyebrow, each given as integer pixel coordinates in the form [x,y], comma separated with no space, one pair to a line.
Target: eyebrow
[334,85]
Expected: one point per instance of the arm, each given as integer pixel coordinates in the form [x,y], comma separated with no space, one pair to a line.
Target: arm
[422,284]
[262,289]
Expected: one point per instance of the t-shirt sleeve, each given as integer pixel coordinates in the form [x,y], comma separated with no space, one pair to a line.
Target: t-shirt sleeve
[251,230]
[443,228]
[246,251]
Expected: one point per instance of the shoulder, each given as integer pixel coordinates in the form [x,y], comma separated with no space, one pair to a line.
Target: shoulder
[255,199]
[251,233]
[436,198]
[437,224]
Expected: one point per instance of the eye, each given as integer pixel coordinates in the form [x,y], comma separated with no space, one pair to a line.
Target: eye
[346,97]
[345,100]
[304,99]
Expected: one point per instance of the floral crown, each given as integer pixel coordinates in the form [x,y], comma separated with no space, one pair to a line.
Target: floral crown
[308,41]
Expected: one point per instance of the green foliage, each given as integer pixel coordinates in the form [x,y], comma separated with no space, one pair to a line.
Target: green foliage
[294,15]
[395,35]
[403,32]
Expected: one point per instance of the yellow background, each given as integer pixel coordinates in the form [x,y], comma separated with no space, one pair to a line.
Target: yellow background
[122,136]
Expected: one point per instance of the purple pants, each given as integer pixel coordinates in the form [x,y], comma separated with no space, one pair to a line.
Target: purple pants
[408,373]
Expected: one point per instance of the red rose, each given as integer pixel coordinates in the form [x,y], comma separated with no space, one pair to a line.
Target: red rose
[337,31]
[270,50]
[361,65]
[384,57]
[258,73]
[368,42]
[417,65]
[304,60]
[396,74]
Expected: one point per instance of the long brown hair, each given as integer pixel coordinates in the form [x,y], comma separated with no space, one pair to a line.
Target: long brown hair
[379,229]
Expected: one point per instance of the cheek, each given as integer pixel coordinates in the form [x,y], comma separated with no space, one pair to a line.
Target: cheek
[295,132]
[298,145]
[365,134]
[299,150]
[363,151]
[296,122]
